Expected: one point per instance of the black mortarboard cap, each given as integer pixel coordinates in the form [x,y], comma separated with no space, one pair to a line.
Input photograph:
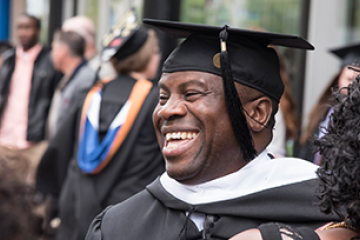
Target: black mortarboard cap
[236,55]
[125,38]
[347,53]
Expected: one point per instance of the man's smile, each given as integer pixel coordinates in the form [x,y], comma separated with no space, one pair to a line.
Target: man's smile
[178,142]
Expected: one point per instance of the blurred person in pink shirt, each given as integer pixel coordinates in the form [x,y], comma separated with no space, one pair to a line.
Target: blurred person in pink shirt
[27,83]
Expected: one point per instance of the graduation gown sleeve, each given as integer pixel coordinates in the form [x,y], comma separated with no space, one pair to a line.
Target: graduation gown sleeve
[95,234]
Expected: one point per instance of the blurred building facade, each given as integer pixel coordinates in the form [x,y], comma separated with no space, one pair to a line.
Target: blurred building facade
[325,23]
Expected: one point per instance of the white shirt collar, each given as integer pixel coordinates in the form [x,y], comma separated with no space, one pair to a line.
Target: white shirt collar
[259,174]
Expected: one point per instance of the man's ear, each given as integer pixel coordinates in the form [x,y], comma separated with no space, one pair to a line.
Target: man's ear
[258,113]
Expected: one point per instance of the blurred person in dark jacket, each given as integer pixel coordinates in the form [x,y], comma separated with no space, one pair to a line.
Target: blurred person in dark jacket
[4,46]
[27,83]
[68,49]
[85,27]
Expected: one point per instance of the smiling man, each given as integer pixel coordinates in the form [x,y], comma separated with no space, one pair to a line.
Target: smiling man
[192,135]
[219,92]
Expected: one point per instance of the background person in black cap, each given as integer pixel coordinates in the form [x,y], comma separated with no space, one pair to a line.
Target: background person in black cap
[110,143]
[219,178]
[319,115]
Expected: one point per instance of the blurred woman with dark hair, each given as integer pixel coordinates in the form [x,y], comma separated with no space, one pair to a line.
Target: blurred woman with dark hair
[319,115]
[317,118]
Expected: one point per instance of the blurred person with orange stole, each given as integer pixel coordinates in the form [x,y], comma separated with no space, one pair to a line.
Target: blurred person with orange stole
[107,150]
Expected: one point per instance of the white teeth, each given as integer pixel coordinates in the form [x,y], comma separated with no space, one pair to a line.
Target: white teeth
[172,146]
[183,135]
[168,136]
[180,135]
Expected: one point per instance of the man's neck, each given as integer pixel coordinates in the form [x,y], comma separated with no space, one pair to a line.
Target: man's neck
[70,65]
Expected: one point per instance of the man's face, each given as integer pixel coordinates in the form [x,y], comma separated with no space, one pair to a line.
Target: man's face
[193,128]
[27,32]
[58,53]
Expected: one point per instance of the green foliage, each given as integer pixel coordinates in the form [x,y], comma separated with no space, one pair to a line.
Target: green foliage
[193,11]
[273,15]
[91,10]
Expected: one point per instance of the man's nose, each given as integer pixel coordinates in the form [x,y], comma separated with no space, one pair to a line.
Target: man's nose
[173,108]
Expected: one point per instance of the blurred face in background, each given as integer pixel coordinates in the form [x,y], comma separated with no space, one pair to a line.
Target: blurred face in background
[58,54]
[27,32]
[347,76]
[153,64]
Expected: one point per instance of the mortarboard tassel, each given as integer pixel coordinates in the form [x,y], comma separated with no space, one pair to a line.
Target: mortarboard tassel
[233,103]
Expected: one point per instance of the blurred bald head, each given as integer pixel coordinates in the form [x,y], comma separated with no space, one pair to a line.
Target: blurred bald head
[85,27]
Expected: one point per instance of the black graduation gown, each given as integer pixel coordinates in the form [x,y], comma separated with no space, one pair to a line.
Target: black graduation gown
[156,214]
[137,162]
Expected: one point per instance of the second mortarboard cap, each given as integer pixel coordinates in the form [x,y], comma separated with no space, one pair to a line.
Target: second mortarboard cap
[347,53]
[125,38]
[236,55]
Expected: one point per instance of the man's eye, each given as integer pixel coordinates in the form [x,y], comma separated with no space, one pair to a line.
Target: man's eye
[163,98]
[192,95]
